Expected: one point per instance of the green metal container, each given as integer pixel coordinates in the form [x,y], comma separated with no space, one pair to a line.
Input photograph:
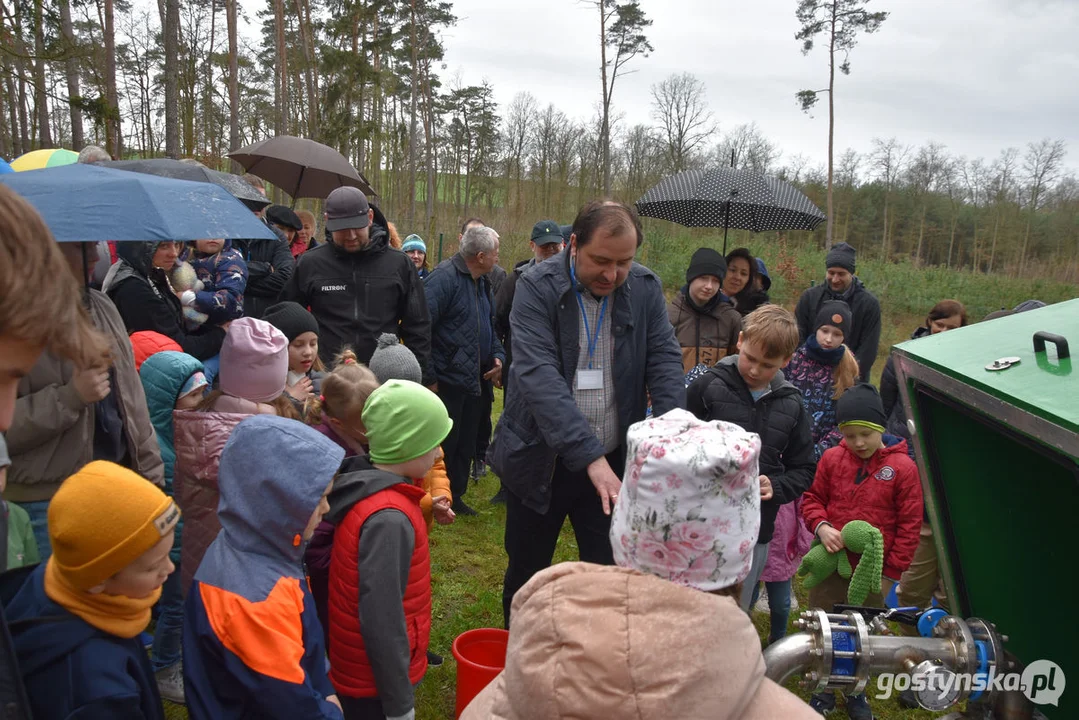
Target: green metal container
[998,451]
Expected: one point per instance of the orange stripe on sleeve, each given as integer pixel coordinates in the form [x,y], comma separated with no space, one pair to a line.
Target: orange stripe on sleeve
[268,635]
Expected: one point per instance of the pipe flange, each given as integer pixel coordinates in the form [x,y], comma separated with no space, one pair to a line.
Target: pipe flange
[986,633]
[861,671]
[822,666]
[956,631]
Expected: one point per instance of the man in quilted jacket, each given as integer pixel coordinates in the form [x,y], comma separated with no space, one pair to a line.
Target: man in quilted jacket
[465,351]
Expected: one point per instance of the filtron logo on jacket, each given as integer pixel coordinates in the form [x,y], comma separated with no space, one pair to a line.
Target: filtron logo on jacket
[334,288]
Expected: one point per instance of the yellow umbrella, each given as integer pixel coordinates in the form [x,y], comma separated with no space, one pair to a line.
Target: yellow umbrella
[37,159]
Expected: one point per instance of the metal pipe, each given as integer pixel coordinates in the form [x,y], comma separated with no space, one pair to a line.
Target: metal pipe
[788,656]
[888,653]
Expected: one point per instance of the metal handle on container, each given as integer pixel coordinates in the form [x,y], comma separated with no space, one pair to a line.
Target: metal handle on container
[1041,337]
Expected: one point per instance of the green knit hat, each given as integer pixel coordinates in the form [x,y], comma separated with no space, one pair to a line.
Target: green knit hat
[404,421]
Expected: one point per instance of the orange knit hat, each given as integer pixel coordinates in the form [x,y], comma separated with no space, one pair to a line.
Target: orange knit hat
[102,519]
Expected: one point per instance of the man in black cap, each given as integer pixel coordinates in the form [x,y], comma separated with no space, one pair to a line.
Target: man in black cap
[359,287]
[863,339]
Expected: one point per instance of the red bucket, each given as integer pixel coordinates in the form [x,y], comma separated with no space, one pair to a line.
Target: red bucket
[480,656]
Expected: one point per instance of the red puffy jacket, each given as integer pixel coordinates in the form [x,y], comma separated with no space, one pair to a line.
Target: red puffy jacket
[888,497]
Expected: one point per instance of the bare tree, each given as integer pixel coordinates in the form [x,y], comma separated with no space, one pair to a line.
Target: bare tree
[842,20]
[41,104]
[680,106]
[234,81]
[1042,167]
[746,147]
[621,28]
[71,71]
[888,160]
[170,22]
[925,173]
[1004,172]
[519,120]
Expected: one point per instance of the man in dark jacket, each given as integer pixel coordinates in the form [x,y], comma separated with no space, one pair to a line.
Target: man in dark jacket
[464,350]
[358,287]
[841,284]
[559,447]
[269,266]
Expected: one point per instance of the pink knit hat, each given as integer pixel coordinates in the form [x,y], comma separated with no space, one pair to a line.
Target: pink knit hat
[689,508]
[254,361]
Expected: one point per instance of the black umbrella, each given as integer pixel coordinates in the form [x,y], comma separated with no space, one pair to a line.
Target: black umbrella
[730,198]
[300,167]
[239,188]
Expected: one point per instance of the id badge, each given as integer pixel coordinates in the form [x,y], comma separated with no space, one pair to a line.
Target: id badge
[589,379]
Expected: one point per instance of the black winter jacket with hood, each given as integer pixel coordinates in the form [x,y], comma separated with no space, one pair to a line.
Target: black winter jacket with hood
[269,266]
[779,417]
[145,300]
[864,337]
[358,296]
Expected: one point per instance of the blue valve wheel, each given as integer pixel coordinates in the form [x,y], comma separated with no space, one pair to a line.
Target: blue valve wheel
[929,620]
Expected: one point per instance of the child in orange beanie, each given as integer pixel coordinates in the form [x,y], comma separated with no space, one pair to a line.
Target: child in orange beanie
[76,619]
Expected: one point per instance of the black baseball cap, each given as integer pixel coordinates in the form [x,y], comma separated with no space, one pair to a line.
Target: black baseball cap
[347,208]
[567,230]
[546,232]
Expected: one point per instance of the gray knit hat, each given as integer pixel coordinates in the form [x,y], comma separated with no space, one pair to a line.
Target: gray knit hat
[393,361]
[841,255]
[5,459]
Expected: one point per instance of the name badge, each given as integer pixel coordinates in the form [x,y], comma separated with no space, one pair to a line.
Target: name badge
[589,379]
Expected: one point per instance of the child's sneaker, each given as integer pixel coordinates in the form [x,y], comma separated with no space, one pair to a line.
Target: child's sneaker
[762,602]
[823,702]
[170,683]
[858,707]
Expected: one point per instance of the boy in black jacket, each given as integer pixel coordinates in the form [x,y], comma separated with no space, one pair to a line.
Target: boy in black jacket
[748,390]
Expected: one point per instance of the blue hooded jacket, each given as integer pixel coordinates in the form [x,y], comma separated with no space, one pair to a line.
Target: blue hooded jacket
[72,670]
[163,376]
[253,645]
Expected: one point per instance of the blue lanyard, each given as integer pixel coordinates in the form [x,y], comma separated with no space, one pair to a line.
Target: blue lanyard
[592,339]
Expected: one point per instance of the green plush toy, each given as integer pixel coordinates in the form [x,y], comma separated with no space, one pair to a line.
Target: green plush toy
[858,537]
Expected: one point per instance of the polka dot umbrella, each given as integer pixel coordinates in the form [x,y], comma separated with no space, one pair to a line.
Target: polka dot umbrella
[37,159]
[730,198]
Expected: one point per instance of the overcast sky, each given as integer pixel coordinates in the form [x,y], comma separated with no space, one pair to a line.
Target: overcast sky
[975,75]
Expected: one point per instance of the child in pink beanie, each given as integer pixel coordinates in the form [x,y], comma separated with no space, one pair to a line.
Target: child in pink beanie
[254,368]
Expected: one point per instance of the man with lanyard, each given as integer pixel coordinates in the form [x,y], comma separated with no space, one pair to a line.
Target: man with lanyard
[559,447]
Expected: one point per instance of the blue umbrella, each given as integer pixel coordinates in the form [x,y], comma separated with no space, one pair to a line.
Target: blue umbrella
[5,167]
[89,203]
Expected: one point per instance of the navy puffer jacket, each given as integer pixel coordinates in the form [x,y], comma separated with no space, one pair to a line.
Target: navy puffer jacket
[779,417]
[462,318]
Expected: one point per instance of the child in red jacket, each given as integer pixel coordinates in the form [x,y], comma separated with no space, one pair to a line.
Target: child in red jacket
[869,477]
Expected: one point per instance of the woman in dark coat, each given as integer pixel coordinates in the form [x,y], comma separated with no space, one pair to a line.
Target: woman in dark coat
[744,284]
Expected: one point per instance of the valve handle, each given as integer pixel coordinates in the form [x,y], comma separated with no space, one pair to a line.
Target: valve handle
[1041,337]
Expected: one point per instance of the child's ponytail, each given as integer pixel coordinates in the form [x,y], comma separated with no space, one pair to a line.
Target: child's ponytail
[846,373]
[345,390]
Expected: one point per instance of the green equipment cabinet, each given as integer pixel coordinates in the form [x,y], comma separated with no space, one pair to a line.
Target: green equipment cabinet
[994,414]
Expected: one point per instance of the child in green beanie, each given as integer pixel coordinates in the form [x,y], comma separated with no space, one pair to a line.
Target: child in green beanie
[380,569]
[869,477]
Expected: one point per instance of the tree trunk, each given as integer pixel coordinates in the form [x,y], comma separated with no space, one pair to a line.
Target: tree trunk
[113,135]
[605,130]
[71,69]
[41,103]
[428,132]
[281,62]
[951,242]
[303,20]
[886,244]
[172,79]
[412,120]
[921,239]
[993,249]
[378,106]
[829,232]
[234,82]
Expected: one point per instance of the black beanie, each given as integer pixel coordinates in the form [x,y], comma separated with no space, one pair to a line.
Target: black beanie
[835,313]
[860,404]
[292,319]
[841,255]
[706,261]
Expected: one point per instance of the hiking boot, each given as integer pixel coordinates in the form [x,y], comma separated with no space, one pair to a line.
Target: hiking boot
[858,707]
[460,508]
[499,497]
[170,683]
[433,660]
[908,700]
[823,702]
